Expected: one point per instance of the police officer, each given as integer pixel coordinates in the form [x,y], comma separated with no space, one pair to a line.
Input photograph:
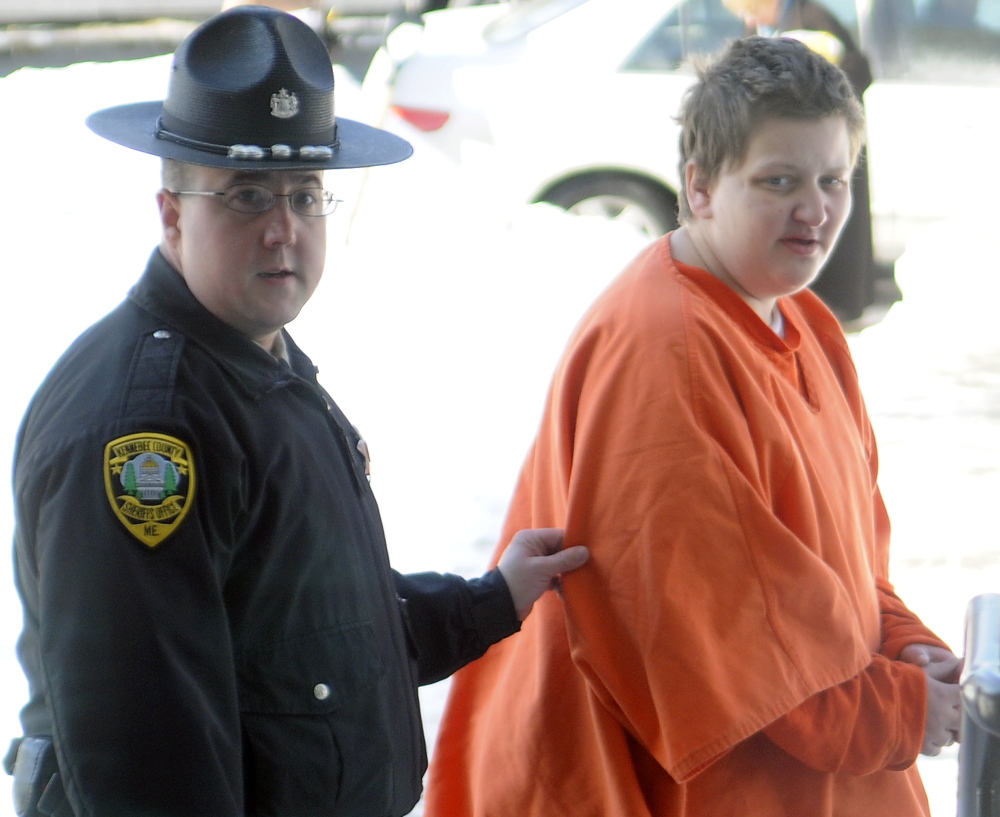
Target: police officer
[211,625]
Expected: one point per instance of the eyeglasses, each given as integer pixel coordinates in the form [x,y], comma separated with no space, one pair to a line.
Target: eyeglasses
[254,199]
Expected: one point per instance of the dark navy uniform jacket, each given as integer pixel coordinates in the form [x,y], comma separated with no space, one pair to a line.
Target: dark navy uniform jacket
[211,626]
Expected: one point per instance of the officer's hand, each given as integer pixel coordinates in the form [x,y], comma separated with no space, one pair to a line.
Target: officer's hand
[533,562]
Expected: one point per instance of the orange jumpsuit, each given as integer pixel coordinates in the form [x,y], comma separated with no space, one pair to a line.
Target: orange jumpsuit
[729,649]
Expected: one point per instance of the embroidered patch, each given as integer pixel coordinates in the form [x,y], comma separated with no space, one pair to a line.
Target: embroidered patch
[150,484]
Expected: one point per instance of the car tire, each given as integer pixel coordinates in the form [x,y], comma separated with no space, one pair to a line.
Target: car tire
[648,207]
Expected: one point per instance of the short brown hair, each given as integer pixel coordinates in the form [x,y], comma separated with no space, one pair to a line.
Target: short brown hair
[174,174]
[754,80]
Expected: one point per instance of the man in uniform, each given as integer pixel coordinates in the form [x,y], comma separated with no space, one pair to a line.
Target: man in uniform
[211,625]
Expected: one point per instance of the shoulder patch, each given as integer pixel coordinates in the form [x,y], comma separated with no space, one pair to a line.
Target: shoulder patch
[150,484]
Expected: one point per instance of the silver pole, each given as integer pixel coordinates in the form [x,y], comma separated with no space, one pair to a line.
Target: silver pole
[979,752]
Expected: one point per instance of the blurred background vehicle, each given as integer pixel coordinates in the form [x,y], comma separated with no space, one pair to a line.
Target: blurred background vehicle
[572,102]
[50,11]
[80,11]
[48,33]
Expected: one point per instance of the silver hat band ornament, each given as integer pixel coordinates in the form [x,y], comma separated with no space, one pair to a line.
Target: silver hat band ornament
[307,153]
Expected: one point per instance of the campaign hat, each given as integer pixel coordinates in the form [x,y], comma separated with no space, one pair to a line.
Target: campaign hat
[250,88]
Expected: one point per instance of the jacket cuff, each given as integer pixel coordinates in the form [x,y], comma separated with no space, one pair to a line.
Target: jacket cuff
[493,610]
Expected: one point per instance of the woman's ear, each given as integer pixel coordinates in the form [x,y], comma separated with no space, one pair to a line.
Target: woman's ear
[697,187]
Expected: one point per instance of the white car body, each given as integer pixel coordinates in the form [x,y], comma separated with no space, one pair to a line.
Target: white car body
[522,112]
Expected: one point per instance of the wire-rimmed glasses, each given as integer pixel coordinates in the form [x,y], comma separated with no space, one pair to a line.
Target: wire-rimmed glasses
[254,199]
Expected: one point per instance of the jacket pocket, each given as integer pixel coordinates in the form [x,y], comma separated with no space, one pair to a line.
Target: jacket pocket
[316,727]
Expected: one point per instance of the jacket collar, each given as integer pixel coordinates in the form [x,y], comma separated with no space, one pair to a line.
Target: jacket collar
[162,292]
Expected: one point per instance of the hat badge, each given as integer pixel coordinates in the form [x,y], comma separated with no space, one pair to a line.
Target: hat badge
[284,104]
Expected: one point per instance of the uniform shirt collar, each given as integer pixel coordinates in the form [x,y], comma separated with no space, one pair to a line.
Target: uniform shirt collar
[163,293]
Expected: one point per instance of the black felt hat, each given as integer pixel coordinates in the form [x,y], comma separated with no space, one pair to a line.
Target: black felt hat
[251,88]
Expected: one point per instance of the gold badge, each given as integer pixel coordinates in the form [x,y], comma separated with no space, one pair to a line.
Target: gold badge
[150,483]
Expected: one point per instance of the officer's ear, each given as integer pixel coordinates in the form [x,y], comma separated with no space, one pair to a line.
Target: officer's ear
[170,220]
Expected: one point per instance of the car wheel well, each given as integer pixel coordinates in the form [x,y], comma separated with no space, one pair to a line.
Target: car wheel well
[652,196]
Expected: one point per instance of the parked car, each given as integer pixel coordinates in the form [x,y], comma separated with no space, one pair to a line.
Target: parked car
[573,101]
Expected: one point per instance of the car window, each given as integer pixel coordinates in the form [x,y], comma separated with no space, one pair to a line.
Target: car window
[697,27]
[694,27]
[937,41]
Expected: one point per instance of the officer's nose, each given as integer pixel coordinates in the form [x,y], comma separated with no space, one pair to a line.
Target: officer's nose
[281,224]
